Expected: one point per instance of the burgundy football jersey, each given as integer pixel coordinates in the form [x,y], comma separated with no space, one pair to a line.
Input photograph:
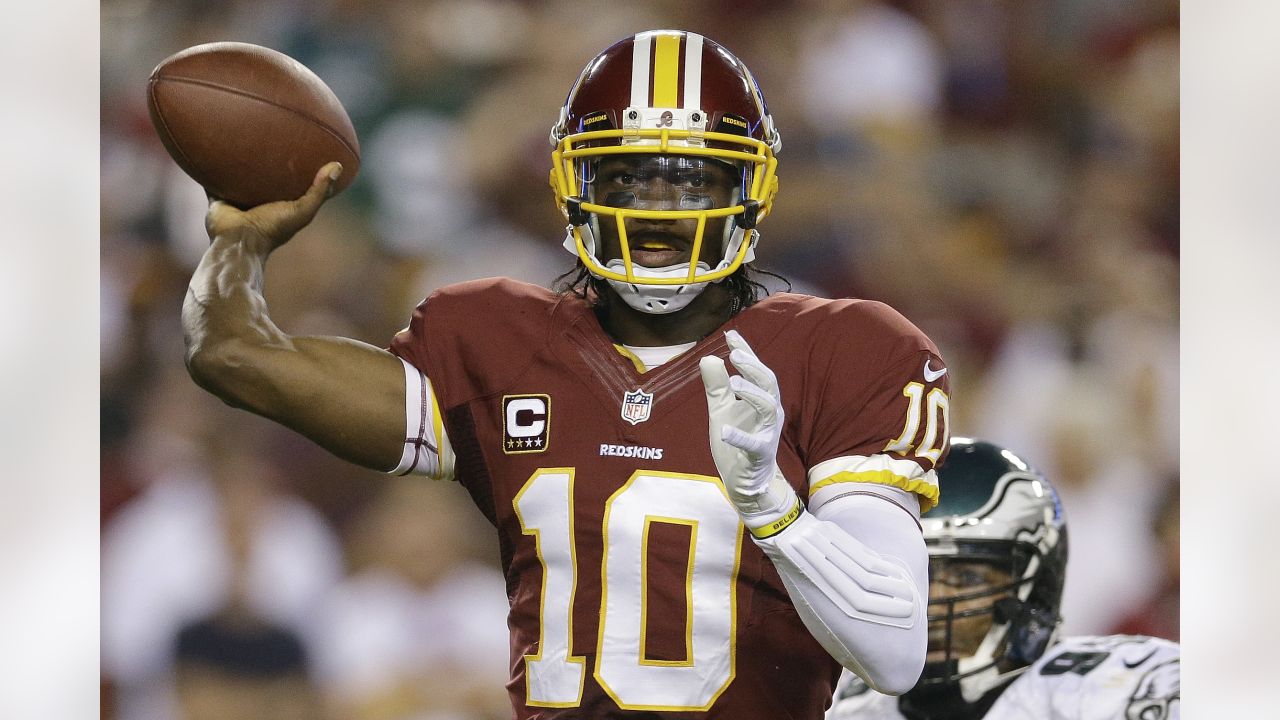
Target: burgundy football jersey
[634,588]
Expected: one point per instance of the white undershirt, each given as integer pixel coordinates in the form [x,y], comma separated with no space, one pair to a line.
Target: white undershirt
[653,357]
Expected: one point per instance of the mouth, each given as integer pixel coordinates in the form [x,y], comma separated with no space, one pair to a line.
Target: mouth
[658,249]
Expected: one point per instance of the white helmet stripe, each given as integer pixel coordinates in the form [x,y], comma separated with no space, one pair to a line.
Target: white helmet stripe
[641,49]
[692,72]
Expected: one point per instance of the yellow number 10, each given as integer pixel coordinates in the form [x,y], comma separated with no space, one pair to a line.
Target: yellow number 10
[935,414]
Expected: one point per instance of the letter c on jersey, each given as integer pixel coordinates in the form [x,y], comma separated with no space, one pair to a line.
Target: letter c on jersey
[526,423]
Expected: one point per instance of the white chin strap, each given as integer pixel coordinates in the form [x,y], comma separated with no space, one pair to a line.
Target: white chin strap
[657,299]
[661,299]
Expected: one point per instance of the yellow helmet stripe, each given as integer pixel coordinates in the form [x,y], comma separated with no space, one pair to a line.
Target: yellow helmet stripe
[666,70]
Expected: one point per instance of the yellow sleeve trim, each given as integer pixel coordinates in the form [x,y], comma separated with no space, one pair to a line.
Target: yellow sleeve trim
[927,491]
[640,368]
[437,428]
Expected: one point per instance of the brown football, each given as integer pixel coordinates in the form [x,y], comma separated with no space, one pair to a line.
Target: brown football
[250,124]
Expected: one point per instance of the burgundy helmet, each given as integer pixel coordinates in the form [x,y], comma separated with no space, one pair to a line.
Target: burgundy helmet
[670,93]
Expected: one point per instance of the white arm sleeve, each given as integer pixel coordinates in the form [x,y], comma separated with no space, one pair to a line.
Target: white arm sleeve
[856,569]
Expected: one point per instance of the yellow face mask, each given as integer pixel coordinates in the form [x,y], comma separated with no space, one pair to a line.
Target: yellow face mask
[610,182]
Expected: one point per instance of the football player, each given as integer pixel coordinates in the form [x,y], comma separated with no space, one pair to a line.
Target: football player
[706,502]
[997,558]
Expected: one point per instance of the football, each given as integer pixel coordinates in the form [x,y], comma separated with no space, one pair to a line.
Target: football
[250,124]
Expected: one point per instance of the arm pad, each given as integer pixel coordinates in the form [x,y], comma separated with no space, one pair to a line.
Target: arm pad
[857,572]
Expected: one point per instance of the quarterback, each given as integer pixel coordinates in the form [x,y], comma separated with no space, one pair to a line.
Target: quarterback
[997,556]
[706,502]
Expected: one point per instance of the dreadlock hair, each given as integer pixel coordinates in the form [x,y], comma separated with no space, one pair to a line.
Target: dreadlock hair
[744,286]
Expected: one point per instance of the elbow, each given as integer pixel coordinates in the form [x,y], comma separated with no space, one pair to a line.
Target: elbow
[218,368]
[205,364]
[898,670]
[895,681]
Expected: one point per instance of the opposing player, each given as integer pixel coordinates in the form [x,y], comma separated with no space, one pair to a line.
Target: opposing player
[676,539]
[997,558]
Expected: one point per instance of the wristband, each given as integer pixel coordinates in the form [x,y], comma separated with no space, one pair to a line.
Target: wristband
[777,526]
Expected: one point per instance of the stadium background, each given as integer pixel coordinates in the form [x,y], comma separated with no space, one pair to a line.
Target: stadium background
[1004,173]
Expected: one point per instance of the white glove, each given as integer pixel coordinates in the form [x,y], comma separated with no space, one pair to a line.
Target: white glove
[746,420]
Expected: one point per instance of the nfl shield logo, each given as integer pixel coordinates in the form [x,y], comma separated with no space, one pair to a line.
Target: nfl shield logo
[636,406]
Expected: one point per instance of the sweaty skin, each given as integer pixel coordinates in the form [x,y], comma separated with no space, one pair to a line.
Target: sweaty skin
[343,394]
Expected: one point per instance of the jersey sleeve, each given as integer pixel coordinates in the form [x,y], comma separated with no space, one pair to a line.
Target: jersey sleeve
[427,450]
[882,407]
[462,342]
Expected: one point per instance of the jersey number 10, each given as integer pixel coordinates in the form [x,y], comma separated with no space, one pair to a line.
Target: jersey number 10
[554,676]
[934,406]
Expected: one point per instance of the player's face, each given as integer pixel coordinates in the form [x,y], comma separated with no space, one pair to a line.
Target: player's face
[971,618]
[663,182]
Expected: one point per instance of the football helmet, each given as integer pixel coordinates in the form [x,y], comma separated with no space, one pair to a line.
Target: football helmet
[995,510]
[676,97]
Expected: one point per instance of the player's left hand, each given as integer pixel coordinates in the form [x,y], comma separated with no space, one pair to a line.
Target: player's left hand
[746,419]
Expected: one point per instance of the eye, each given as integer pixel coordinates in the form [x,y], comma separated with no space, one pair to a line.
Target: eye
[961,578]
[619,174]
[695,179]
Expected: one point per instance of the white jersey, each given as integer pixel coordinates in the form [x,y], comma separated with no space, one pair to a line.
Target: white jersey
[1114,677]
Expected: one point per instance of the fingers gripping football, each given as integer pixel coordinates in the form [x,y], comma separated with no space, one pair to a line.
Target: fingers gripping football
[745,426]
[273,223]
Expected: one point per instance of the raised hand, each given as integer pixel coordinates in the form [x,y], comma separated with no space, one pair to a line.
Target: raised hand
[745,423]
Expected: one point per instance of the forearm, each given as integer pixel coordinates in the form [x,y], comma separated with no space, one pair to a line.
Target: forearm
[857,574]
[225,321]
[345,395]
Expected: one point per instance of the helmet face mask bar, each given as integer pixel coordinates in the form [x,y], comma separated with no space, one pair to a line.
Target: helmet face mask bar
[665,94]
[575,168]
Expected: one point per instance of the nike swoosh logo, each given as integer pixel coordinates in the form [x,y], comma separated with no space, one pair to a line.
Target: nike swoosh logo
[1132,665]
[931,375]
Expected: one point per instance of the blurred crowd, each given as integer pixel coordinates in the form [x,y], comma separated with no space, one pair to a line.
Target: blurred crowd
[1004,172]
